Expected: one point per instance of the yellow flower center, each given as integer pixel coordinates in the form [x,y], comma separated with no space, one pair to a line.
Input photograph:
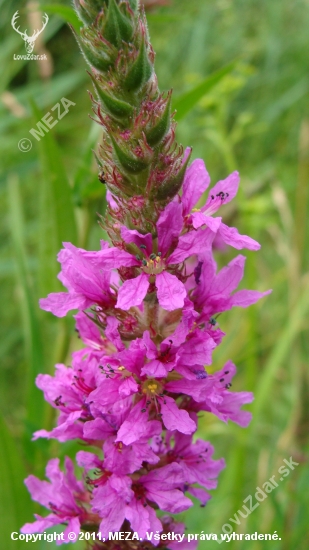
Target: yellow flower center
[153,266]
[152,387]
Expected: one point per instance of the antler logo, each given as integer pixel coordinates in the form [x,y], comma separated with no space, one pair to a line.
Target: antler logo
[29,40]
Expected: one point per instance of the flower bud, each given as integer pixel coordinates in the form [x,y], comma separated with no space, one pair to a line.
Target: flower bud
[97,61]
[156,131]
[112,104]
[170,188]
[85,10]
[132,161]
[140,71]
[117,26]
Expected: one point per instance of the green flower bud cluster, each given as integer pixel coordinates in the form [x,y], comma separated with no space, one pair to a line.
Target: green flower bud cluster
[139,157]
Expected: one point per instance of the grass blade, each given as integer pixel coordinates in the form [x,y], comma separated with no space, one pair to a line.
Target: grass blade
[65,12]
[57,219]
[280,350]
[31,326]
[15,503]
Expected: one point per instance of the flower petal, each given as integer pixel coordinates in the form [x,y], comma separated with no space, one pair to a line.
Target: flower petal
[228,185]
[59,303]
[132,292]
[72,527]
[87,460]
[133,236]
[231,236]
[230,276]
[191,243]
[245,298]
[194,388]
[142,519]
[135,426]
[112,333]
[110,258]
[155,369]
[196,181]
[97,429]
[169,226]
[170,291]
[41,524]
[174,418]
[199,219]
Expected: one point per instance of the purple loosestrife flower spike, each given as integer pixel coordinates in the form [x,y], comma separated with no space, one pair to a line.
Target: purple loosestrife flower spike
[147,306]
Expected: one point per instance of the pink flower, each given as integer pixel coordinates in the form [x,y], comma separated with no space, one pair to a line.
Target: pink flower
[67,392]
[63,496]
[220,401]
[127,459]
[195,184]
[89,332]
[212,293]
[143,371]
[156,265]
[118,497]
[173,418]
[87,284]
[171,526]
[196,460]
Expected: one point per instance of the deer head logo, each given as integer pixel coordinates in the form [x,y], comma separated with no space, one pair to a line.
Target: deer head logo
[29,40]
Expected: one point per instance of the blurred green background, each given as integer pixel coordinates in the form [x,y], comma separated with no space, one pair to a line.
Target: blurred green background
[239,71]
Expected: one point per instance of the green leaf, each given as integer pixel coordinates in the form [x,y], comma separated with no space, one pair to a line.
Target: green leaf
[56,212]
[31,326]
[293,326]
[15,503]
[86,183]
[185,102]
[65,12]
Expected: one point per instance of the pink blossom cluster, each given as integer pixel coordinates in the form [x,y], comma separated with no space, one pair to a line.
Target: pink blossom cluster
[147,315]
